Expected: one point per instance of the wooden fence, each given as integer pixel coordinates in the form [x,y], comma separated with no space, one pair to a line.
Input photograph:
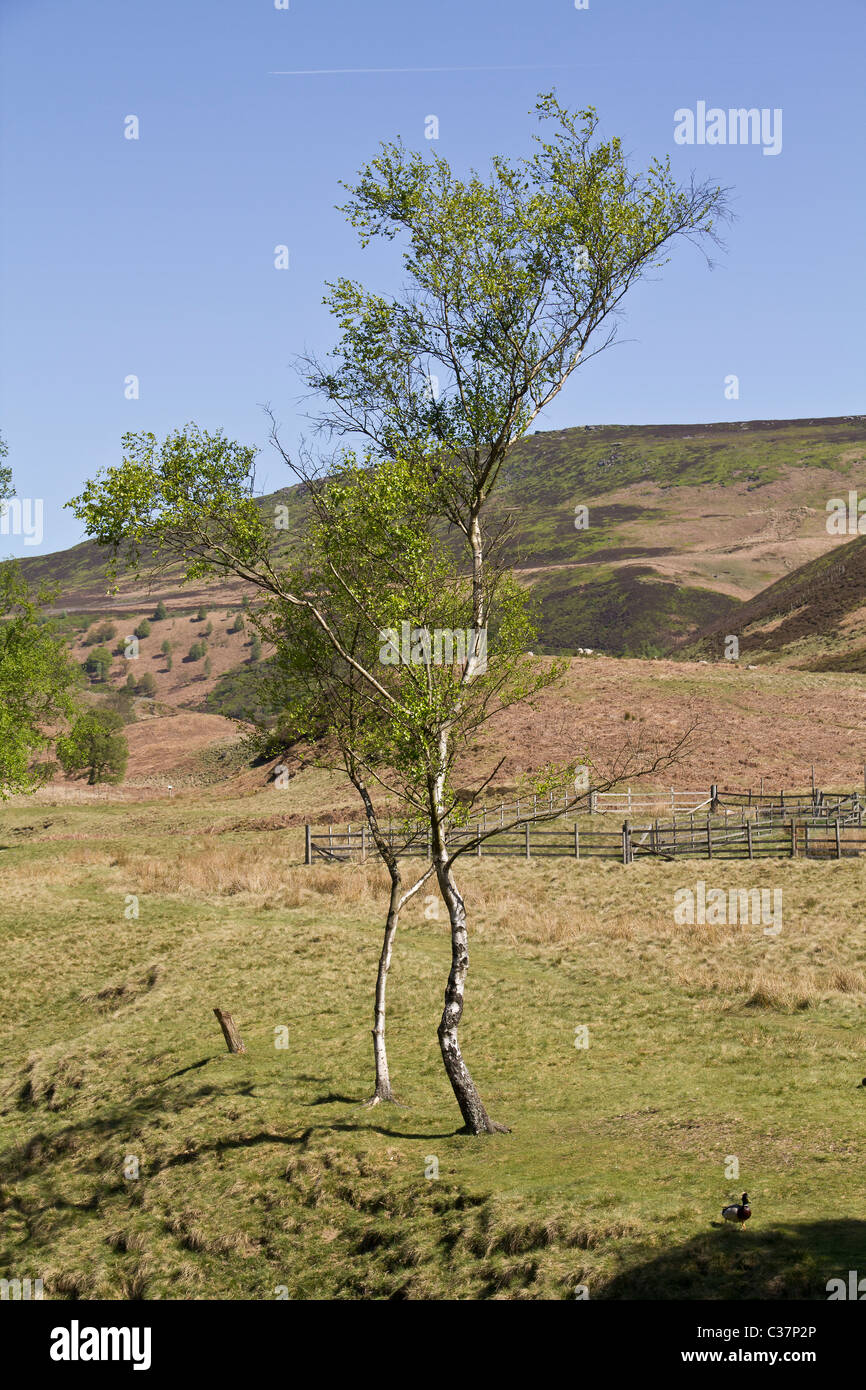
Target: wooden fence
[761,805]
[592,803]
[808,838]
[780,805]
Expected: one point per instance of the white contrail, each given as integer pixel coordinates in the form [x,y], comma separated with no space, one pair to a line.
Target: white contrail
[510,67]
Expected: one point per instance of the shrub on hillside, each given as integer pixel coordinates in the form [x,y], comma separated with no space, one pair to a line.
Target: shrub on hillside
[98,663]
[121,702]
[100,632]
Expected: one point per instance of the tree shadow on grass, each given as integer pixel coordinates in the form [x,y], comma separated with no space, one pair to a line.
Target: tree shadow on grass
[22,1160]
[363,1128]
[779,1262]
[334,1099]
[240,1141]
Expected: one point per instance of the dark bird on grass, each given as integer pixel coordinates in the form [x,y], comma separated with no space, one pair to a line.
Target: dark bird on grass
[738,1211]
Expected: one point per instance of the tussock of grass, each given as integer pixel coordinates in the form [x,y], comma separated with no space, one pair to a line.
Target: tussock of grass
[770,991]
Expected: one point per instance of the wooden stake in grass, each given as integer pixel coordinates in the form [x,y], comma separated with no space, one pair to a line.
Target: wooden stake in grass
[234,1041]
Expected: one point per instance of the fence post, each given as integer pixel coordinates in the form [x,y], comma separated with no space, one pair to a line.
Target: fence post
[626,842]
[593,803]
[330,838]
[714,796]
[576,841]
[806,849]
[234,1041]
[527,839]
[793,838]
[363,844]
[709,838]
[749,838]
[308,845]
[672,801]
[838,840]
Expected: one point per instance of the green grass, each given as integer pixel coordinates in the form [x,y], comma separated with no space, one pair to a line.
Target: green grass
[261,1170]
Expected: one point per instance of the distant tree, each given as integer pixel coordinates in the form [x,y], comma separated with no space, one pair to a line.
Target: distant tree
[147,684]
[168,662]
[95,747]
[207,667]
[237,625]
[255,647]
[131,682]
[143,629]
[167,647]
[98,663]
[196,651]
[160,612]
[37,681]
[208,629]
[201,614]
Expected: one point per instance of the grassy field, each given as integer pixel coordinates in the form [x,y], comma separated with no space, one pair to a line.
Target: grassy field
[260,1172]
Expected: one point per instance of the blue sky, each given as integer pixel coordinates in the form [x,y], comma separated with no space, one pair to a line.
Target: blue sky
[155,257]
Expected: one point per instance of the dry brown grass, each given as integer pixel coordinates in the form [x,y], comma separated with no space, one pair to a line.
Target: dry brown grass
[233,870]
